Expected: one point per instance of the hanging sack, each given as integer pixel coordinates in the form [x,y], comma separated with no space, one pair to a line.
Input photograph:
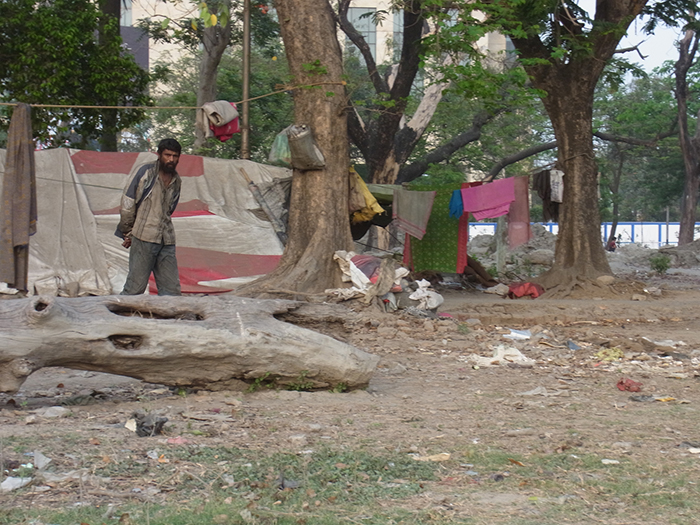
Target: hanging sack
[304,151]
[279,153]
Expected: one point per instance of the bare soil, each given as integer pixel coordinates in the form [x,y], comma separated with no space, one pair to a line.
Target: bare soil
[427,396]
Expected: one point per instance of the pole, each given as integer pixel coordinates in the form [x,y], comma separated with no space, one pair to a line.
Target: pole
[245,128]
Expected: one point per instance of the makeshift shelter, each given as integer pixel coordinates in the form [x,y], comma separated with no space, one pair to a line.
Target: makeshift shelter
[222,236]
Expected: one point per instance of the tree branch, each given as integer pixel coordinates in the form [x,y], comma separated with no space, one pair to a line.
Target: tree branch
[359,41]
[517,157]
[444,152]
[534,150]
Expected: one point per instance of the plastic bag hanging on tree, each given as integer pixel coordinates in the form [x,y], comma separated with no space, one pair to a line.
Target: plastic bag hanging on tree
[279,152]
[304,151]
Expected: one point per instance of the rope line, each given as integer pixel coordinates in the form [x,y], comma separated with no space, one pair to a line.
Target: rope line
[71,106]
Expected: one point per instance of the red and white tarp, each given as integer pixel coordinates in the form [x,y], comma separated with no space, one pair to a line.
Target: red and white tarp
[220,240]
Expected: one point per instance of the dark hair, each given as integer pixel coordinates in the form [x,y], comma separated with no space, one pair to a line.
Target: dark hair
[170,144]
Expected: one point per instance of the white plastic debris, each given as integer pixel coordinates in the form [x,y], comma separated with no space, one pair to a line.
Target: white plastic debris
[518,335]
[503,355]
[427,299]
[12,483]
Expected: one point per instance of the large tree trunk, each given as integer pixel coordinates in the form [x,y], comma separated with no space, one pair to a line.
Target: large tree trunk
[211,342]
[579,256]
[690,145]
[319,221]
[569,84]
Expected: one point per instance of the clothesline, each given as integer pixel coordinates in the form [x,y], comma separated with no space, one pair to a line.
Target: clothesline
[72,106]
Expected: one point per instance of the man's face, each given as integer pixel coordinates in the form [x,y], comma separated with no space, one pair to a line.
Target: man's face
[168,160]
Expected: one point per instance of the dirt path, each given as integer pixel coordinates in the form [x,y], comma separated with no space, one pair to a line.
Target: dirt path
[427,397]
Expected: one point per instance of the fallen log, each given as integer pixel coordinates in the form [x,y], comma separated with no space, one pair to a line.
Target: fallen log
[207,342]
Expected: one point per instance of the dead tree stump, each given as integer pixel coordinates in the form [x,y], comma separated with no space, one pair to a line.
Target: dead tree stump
[176,341]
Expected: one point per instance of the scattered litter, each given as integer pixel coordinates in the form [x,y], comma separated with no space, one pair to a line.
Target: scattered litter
[443,456]
[499,289]
[51,412]
[12,483]
[610,354]
[516,462]
[503,355]
[40,461]
[518,335]
[629,385]
[427,299]
[572,345]
[609,462]
[646,399]
[694,450]
[146,425]
[284,483]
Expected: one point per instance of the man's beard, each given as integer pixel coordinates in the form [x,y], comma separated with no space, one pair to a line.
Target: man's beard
[169,167]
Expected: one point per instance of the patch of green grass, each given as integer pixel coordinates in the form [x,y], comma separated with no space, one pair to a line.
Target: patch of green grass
[375,486]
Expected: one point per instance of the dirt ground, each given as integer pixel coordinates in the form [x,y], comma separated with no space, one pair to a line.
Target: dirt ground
[428,395]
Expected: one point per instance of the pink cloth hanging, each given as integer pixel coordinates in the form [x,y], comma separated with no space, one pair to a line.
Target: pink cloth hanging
[489,201]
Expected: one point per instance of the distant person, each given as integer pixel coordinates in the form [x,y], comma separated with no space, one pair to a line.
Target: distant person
[147,205]
[612,244]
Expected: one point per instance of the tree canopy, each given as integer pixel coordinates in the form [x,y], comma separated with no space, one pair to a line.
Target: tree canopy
[50,54]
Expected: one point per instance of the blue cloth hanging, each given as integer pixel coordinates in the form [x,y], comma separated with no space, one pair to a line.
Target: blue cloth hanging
[456,206]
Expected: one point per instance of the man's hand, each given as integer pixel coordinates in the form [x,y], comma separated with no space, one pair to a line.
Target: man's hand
[127,242]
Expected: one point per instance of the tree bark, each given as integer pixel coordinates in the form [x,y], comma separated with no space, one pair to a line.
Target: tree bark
[210,342]
[318,216]
[690,145]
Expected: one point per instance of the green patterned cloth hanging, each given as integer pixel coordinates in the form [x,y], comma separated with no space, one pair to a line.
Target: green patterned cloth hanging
[437,250]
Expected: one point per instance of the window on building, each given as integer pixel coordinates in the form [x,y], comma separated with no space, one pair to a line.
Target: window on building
[362,18]
[397,36]
[126,13]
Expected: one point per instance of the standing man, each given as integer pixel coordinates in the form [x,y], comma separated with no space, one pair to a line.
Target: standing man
[146,207]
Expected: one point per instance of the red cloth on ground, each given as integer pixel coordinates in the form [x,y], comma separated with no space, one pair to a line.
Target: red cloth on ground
[523,289]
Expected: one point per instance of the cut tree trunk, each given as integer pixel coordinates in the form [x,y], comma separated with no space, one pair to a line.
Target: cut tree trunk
[208,342]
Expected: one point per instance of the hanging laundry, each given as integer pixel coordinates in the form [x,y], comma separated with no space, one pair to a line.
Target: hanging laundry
[218,119]
[361,202]
[556,181]
[541,183]
[489,200]
[519,231]
[411,210]
[18,213]
[456,206]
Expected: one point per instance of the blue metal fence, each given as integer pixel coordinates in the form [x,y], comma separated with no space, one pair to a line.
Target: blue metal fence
[649,234]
